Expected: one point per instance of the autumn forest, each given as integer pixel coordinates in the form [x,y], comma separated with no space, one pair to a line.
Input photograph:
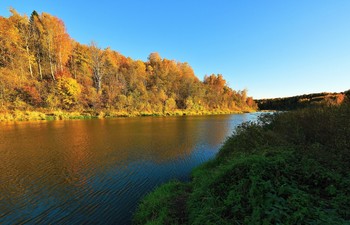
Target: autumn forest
[43,69]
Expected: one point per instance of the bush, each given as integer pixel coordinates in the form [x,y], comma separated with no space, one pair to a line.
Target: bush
[288,168]
[159,206]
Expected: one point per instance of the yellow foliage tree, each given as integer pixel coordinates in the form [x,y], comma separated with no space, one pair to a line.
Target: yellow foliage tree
[69,91]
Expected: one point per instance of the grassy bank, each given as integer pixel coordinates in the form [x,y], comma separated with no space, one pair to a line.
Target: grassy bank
[18,115]
[289,168]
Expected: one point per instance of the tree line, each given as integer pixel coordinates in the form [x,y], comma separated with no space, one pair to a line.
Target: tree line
[302,101]
[42,67]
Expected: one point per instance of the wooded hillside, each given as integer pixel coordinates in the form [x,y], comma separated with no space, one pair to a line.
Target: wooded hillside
[302,101]
[43,69]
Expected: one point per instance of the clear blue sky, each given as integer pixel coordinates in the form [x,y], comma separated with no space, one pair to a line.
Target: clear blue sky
[272,48]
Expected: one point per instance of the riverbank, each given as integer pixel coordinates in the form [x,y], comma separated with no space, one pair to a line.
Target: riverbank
[289,168]
[18,115]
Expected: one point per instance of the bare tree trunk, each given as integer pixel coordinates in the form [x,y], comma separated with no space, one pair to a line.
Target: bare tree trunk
[50,59]
[97,78]
[98,84]
[29,63]
[51,68]
[60,59]
[96,57]
[73,67]
[2,95]
[39,67]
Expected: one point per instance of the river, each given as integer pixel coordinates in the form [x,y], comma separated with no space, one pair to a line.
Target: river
[95,171]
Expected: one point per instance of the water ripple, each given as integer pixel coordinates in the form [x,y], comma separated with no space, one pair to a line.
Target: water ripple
[95,171]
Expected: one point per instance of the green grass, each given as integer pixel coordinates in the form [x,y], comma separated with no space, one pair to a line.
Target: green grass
[159,207]
[289,168]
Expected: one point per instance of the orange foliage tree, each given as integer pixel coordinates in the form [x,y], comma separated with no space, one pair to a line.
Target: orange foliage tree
[41,66]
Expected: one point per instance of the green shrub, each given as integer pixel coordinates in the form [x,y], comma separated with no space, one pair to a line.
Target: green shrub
[159,206]
[288,168]
[280,188]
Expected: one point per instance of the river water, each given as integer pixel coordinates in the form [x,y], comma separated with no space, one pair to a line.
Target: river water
[95,171]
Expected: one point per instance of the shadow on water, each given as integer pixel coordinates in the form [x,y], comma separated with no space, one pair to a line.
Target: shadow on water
[95,171]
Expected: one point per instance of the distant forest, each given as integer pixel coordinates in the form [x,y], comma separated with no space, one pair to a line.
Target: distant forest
[42,68]
[302,101]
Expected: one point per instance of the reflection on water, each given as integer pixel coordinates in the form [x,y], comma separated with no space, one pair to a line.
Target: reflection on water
[95,171]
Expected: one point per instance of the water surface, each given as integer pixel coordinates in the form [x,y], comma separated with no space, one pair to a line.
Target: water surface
[95,171]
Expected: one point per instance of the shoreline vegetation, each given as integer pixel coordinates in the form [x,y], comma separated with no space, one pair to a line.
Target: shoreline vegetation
[264,105]
[301,101]
[287,168]
[17,115]
[45,74]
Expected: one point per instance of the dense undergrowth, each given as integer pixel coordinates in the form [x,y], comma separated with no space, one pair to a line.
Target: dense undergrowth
[288,168]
